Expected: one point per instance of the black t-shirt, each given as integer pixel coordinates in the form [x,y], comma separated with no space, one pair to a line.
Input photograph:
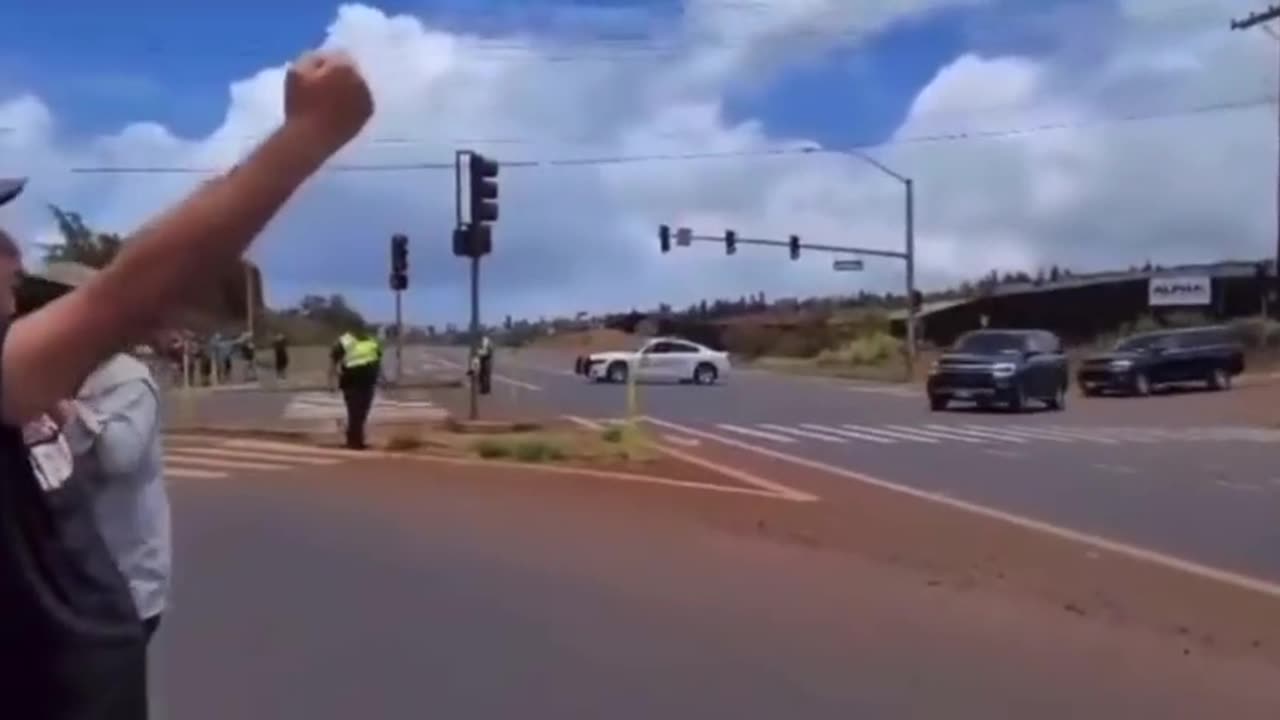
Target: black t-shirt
[71,644]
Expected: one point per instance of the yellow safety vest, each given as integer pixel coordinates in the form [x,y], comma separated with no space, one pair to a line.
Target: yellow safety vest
[358,353]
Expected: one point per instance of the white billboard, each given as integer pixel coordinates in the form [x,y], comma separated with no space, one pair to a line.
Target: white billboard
[1180,290]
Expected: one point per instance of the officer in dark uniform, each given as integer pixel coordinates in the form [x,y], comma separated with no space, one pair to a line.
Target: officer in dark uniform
[357,362]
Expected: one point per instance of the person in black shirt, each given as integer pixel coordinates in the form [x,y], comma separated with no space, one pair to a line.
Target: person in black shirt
[280,348]
[71,646]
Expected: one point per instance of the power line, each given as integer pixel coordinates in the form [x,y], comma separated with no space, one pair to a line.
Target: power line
[948,137]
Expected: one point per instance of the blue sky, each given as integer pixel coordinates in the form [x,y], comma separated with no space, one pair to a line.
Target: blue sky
[103,65]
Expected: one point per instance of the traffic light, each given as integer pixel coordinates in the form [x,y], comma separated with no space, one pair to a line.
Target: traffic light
[795,247]
[399,262]
[475,239]
[664,238]
[730,242]
[484,189]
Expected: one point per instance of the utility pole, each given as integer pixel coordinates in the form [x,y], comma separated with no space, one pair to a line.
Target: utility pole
[1257,19]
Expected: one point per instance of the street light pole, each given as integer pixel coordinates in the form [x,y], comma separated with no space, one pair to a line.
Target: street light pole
[911,276]
[909,242]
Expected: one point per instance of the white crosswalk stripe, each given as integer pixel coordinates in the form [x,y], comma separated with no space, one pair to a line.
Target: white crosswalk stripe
[839,432]
[909,437]
[330,406]
[206,458]
[992,435]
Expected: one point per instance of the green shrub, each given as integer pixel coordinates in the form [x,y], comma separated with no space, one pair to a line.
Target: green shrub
[613,434]
[874,349]
[490,449]
[538,451]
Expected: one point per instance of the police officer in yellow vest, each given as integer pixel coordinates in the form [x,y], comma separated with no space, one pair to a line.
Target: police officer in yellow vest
[357,361]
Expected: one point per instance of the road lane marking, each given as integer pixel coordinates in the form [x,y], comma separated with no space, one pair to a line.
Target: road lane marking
[1132,435]
[178,457]
[803,433]
[1082,436]
[680,440]
[755,433]
[937,434]
[183,473]
[495,376]
[1240,487]
[910,437]
[1116,469]
[293,448]
[216,452]
[978,434]
[1097,542]
[849,434]
[756,485]
[1030,435]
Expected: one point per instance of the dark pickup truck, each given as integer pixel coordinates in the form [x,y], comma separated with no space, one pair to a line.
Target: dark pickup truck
[1141,363]
[1009,367]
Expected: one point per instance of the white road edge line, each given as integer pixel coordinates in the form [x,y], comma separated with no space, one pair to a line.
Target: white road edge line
[759,485]
[1227,577]
[499,378]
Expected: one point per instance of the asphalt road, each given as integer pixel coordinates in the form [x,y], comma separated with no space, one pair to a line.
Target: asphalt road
[370,590]
[1156,472]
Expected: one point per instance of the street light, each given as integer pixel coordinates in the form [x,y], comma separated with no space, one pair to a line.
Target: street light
[910,242]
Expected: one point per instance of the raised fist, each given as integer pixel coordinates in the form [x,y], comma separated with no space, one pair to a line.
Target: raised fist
[325,92]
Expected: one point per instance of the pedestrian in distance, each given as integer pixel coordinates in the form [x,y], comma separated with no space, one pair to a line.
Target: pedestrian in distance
[280,347]
[356,364]
[70,642]
[484,365]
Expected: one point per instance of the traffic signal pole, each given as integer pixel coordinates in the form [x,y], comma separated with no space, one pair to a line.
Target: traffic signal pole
[474,240]
[907,255]
[473,332]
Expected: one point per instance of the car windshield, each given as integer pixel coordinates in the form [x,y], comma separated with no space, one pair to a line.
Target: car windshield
[991,343]
[1139,343]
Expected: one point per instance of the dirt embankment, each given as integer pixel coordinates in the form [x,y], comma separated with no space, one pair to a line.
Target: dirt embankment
[589,341]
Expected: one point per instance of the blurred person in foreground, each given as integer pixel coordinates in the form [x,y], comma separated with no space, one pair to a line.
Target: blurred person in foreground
[70,642]
[112,429]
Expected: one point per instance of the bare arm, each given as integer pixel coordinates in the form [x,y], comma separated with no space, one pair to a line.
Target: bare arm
[48,353]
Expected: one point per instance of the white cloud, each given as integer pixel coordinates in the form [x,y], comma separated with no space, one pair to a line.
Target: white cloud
[577,237]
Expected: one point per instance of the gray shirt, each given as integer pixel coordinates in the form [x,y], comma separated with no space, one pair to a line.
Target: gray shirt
[116,441]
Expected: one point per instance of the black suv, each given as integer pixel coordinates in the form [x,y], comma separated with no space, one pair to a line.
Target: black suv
[1011,367]
[1141,363]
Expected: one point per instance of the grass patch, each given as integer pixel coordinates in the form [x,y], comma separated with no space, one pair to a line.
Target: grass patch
[583,447]
[492,449]
[402,442]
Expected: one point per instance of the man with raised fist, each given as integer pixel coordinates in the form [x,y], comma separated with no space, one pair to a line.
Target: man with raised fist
[71,644]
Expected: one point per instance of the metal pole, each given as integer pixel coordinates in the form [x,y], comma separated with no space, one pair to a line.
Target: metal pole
[911,276]
[248,297]
[399,341]
[475,337]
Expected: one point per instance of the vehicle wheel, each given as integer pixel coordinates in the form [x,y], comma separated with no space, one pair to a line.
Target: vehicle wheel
[617,372]
[705,374]
[1219,379]
[1018,401]
[1059,399]
[938,402]
[1141,385]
